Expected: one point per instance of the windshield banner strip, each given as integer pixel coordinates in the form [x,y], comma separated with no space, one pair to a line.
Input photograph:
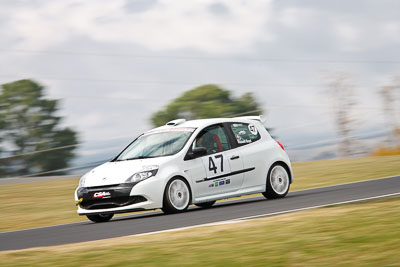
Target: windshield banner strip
[186,129]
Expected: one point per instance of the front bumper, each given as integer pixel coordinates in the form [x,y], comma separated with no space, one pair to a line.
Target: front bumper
[119,198]
[105,197]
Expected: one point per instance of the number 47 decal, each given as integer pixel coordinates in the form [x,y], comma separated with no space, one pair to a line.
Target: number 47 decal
[212,166]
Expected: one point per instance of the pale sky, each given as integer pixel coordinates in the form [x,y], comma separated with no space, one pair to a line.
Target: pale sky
[114,63]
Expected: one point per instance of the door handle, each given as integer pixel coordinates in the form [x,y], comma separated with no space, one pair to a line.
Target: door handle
[234,157]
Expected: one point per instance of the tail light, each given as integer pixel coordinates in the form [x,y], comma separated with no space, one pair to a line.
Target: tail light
[280,144]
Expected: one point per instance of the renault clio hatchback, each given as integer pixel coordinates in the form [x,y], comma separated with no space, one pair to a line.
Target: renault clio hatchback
[187,162]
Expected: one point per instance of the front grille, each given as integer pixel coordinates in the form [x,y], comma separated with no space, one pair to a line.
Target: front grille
[109,203]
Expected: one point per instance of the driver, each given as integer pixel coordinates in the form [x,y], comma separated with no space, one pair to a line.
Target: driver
[207,141]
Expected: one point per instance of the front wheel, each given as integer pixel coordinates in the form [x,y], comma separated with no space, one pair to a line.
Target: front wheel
[100,217]
[176,196]
[278,182]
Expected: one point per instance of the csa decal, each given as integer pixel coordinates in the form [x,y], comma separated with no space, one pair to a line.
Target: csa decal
[102,195]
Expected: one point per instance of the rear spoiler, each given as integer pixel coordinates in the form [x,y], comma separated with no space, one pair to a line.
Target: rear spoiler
[255,118]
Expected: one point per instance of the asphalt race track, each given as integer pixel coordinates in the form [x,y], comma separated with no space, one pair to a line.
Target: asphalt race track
[228,210]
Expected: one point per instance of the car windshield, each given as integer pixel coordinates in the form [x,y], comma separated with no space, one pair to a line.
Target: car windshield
[157,144]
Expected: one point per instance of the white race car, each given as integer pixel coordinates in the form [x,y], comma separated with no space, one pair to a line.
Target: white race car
[187,162]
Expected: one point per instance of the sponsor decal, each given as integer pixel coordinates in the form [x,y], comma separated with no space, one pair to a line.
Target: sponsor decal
[244,141]
[103,194]
[220,183]
[228,174]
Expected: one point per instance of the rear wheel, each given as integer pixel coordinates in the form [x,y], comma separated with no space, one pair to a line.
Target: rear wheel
[100,217]
[278,182]
[176,196]
[205,205]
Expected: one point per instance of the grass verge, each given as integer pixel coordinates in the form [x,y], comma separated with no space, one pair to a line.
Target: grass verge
[362,234]
[330,172]
[47,203]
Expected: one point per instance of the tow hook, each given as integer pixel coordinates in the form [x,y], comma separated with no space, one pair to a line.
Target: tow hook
[79,201]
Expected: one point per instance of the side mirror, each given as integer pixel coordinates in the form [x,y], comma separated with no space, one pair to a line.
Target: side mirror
[199,151]
[196,152]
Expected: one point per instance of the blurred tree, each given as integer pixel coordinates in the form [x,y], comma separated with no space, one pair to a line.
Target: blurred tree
[341,93]
[27,124]
[207,101]
[391,99]
[387,93]
[2,124]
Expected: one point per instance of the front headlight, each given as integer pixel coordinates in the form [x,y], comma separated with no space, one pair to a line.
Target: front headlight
[82,181]
[145,173]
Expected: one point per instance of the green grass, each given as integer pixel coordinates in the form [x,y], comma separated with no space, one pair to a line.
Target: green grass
[38,204]
[48,203]
[363,234]
[330,172]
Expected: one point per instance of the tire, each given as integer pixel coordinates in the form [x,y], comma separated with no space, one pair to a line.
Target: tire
[177,196]
[205,205]
[278,182]
[100,217]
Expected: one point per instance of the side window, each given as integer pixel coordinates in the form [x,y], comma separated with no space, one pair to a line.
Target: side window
[213,138]
[245,133]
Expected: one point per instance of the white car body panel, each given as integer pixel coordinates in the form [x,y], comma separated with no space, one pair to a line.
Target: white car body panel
[245,168]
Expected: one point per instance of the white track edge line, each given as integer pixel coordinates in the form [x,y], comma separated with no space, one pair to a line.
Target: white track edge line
[317,206]
[222,200]
[355,182]
[243,219]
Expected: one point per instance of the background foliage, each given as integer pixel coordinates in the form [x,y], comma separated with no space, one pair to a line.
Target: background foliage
[28,122]
[207,101]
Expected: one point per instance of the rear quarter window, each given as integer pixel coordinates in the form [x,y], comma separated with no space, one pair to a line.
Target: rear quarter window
[245,133]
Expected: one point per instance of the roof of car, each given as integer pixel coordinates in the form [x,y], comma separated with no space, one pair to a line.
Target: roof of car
[205,122]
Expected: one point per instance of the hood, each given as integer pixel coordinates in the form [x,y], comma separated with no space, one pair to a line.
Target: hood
[118,172]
